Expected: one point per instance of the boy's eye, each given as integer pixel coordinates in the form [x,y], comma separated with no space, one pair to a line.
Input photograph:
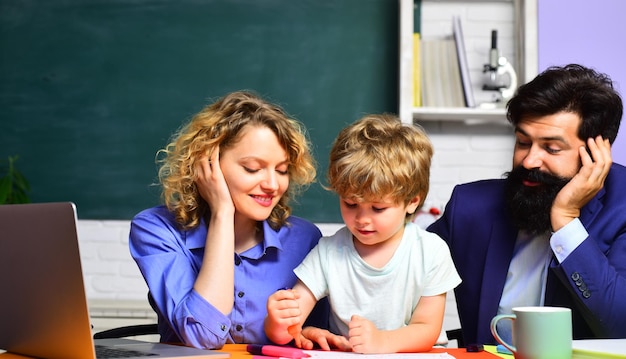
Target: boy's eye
[349,205]
[250,170]
[378,209]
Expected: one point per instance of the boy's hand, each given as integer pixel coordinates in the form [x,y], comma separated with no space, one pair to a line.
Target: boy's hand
[325,339]
[365,338]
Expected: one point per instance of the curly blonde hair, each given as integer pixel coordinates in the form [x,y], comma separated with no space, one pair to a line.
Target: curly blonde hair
[379,156]
[221,124]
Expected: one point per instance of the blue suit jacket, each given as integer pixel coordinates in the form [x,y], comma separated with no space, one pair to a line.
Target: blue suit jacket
[591,281]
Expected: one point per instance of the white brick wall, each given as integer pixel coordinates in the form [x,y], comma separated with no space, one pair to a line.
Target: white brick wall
[115,289]
[466,153]
[478,18]
[463,152]
[109,271]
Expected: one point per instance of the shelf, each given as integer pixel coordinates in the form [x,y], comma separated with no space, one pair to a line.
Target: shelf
[525,28]
[458,114]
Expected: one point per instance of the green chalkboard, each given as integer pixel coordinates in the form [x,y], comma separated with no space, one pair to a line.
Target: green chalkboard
[91,89]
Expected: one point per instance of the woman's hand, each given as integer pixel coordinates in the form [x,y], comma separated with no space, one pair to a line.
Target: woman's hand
[211,184]
[216,278]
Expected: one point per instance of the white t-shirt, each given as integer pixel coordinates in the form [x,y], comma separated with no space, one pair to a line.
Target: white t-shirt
[387,296]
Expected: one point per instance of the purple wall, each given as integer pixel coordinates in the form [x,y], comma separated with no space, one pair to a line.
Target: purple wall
[591,33]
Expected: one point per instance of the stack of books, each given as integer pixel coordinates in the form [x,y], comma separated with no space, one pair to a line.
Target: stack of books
[441,74]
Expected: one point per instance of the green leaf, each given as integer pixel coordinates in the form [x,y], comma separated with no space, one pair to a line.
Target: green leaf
[20,197]
[20,181]
[14,187]
[5,189]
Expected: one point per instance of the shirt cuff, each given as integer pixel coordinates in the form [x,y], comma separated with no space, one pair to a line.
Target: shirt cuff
[567,239]
[201,312]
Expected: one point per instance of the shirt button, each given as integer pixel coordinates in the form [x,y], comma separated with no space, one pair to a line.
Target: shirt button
[559,249]
[240,294]
[239,327]
[223,327]
[237,261]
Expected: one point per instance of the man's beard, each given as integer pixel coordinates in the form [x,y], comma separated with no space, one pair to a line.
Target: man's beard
[530,207]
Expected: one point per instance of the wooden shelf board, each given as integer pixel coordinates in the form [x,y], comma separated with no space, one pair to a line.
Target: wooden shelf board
[458,114]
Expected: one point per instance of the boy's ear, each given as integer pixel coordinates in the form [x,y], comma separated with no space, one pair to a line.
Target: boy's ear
[411,207]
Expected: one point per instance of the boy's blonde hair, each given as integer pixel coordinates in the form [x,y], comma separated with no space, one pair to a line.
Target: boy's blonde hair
[379,156]
[222,124]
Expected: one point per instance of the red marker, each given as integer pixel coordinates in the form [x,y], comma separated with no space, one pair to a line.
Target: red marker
[276,351]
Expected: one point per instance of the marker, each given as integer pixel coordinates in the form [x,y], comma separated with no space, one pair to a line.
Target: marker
[294,330]
[276,351]
[501,349]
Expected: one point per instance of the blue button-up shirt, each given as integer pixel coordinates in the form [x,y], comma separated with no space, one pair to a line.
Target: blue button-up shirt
[169,259]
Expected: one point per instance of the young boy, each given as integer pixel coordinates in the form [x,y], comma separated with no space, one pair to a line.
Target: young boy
[386,279]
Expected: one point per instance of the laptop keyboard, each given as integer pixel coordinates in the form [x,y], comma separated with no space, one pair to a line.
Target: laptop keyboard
[106,352]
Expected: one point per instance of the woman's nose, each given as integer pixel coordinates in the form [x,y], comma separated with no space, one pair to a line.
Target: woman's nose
[270,182]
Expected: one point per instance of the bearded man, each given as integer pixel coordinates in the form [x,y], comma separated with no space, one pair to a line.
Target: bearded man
[553,231]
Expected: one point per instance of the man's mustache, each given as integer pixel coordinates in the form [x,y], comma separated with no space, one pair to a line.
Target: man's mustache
[520,173]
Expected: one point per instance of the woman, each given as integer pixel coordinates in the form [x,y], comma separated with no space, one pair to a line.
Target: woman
[224,240]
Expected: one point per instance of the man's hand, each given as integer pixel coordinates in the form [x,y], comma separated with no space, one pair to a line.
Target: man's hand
[584,185]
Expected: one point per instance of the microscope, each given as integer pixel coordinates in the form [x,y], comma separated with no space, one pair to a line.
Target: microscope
[500,76]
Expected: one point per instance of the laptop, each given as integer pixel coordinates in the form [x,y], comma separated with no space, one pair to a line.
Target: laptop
[43,306]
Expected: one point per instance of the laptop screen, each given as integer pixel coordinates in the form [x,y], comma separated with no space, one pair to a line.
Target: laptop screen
[43,306]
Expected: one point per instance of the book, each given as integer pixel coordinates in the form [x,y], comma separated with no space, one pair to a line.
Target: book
[457,32]
[417,71]
[599,348]
[454,90]
[441,79]
[444,90]
[430,73]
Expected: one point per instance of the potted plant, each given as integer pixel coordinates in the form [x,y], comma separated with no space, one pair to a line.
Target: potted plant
[14,187]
